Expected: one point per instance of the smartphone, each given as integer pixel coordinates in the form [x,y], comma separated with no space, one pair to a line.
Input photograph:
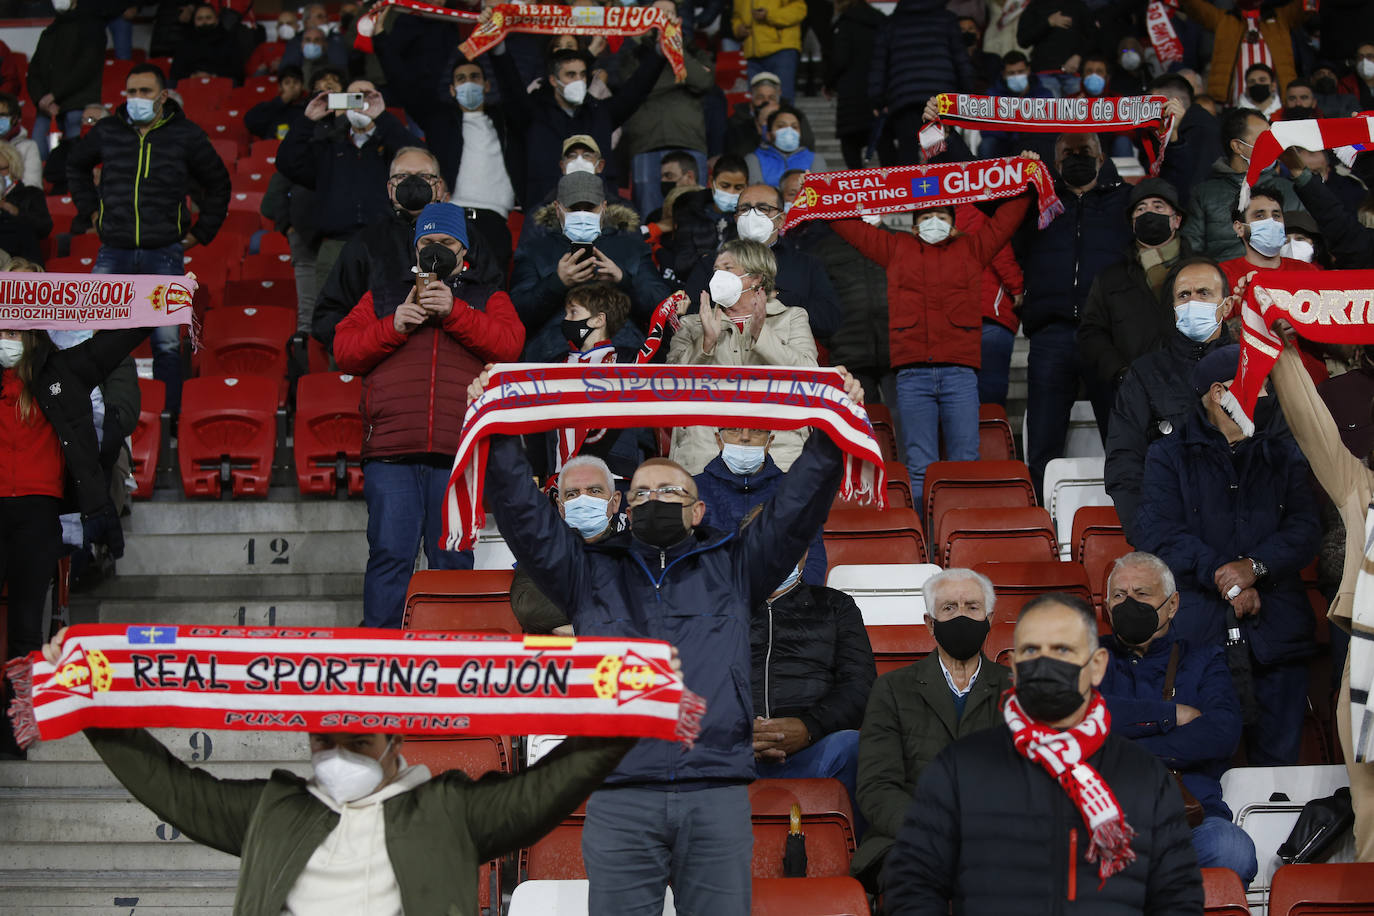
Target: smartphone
[583,246]
[346,101]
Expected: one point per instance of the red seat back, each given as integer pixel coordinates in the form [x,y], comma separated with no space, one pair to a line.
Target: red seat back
[898,645]
[1318,890]
[868,535]
[253,174]
[461,599]
[264,149]
[147,437]
[328,428]
[233,418]
[1098,541]
[898,490]
[827,822]
[268,267]
[557,856]
[971,484]
[995,441]
[837,896]
[999,644]
[1018,583]
[883,430]
[271,293]
[245,340]
[980,535]
[476,756]
[1223,893]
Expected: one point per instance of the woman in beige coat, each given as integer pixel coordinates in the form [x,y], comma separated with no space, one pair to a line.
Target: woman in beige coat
[741,324]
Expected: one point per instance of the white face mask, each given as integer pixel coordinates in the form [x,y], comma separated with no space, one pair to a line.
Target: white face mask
[346,775]
[575,93]
[933,230]
[1196,320]
[579,165]
[1298,250]
[744,460]
[11,351]
[358,119]
[754,226]
[61,6]
[726,288]
[286,32]
[1365,68]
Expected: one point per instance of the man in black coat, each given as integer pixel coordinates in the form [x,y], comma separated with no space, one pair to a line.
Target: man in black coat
[919,54]
[742,133]
[207,50]
[991,830]
[1194,142]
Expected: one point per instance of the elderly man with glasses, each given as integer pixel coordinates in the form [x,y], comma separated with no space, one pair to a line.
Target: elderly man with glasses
[669,815]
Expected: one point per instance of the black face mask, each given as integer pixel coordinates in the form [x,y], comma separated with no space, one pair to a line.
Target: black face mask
[413,193]
[961,636]
[1152,228]
[1047,688]
[658,523]
[1258,93]
[575,332]
[1324,86]
[1078,170]
[1134,621]
[1265,408]
[666,187]
[437,260]
[970,39]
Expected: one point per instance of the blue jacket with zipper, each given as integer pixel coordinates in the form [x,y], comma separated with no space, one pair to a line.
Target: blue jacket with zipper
[698,594]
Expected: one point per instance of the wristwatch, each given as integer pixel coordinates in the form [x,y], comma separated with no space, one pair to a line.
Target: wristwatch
[1258,568]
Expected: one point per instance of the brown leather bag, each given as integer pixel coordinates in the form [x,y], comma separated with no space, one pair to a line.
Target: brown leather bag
[1192,808]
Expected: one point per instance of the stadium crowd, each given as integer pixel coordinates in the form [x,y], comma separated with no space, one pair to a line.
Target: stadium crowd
[435,214]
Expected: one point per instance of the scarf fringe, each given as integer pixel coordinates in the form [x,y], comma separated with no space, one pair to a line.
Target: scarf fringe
[1110,848]
[22,718]
[690,710]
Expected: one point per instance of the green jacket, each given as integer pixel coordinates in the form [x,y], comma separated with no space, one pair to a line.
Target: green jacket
[436,835]
[909,720]
[1207,227]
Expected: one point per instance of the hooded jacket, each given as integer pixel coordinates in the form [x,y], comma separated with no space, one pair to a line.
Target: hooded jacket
[918,53]
[144,180]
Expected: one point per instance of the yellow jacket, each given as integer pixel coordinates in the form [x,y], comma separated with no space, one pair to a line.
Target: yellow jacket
[780,30]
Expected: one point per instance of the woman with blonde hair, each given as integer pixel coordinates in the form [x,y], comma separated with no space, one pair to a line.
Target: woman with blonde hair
[24,217]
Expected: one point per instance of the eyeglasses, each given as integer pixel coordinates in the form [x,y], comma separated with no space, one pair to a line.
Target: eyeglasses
[402,176]
[767,210]
[668,494]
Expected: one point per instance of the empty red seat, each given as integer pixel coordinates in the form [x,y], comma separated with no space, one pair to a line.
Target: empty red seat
[869,535]
[995,441]
[147,437]
[461,599]
[981,535]
[227,434]
[264,149]
[86,245]
[837,896]
[898,490]
[999,644]
[474,756]
[272,293]
[329,433]
[70,265]
[114,77]
[557,856]
[883,430]
[1310,890]
[249,94]
[1018,583]
[268,267]
[203,95]
[253,174]
[1223,894]
[898,645]
[826,819]
[247,340]
[274,243]
[970,484]
[1098,542]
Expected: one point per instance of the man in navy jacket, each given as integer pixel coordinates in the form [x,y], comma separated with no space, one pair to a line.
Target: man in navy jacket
[1175,700]
[668,813]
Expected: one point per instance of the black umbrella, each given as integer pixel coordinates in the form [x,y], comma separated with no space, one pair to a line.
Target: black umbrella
[794,853]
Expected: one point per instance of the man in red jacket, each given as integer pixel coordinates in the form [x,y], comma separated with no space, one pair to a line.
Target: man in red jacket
[416,356]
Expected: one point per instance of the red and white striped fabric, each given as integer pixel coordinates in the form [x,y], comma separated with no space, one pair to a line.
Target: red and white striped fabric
[351,680]
[533,397]
[1250,53]
[1329,133]
[1168,47]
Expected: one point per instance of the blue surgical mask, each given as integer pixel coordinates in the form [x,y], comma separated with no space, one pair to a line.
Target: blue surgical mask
[791,579]
[1070,83]
[5,124]
[312,51]
[725,201]
[141,111]
[787,139]
[1196,320]
[587,514]
[469,95]
[1267,236]
[1018,82]
[582,226]
[744,460]
[1094,83]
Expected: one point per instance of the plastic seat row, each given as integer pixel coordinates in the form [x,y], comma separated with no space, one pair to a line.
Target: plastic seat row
[771,897]
[995,440]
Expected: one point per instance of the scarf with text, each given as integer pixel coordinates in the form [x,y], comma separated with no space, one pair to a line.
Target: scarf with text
[1064,755]
[528,398]
[1168,47]
[1325,306]
[93,302]
[1322,134]
[864,192]
[351,680]
[1017,114]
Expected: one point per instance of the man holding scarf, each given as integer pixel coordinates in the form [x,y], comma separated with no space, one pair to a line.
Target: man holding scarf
[1054,808]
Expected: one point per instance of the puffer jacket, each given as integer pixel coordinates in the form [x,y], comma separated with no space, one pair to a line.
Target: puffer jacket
[1208,228]
[861,287]
[1123,318]
[992,830]
[144,180]
[411,383]
[917,54]
[779,31]
[730,497]
[1204,503]
[934,292]
[767,164]
[811,659]
[698,594]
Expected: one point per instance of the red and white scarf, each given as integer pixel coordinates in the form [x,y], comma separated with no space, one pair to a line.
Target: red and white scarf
[93,302]
[1168,47]
[862,192]
[527,398]
[1250,53]
[1064,755]
[1014,113]
[351,680]
[1326,306]
[1321,134]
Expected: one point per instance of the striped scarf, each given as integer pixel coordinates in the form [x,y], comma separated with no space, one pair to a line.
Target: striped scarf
[527,398]
[1321,134]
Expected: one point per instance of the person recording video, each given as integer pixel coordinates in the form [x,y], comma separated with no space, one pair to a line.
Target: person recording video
[417,340]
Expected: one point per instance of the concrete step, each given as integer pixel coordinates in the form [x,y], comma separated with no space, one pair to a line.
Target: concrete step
[243,588]
[86,853]
[60,776]
[204,893]
[192,746]
[318,613]
[246,517]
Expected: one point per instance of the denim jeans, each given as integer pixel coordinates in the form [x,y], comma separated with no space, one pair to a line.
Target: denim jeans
[1221,844]
[1053,373]
[166,341]
[935,402]
[122,37]
[404,508]
[994,378]
[638,840]
[835,756]
[42,126]
[782,64]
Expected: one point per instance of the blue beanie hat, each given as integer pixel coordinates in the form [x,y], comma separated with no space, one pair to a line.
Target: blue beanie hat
[442,219]
[1221,365]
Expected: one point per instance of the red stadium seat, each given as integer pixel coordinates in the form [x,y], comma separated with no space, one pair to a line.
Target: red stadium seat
[228,150]
[1223,893]
[114,77]
[869,535]
[995,442]
[274,243]
[1017,583]
[249,94]
[86,245]
[268,267]
[883,430]
[272,293]
[62,210]
[1316,890]
[838,896]
[264,149]
[253,174]
[999,644]
[826,818]
[227,434]
[70,265]
[147,437]
[968,484]
[980,535]
[461,599]
[898,645]
[898,490]
[1098,542]
[558,855]
[248,340]
[328,433]
[203,96]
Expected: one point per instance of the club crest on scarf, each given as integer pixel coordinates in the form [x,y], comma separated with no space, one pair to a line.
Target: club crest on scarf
[630,677]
